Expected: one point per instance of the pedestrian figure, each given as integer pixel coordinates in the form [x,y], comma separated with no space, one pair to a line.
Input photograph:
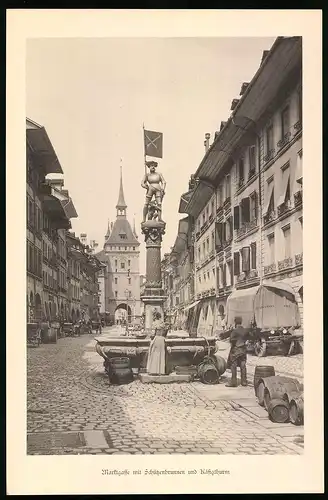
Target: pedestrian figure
[238,354]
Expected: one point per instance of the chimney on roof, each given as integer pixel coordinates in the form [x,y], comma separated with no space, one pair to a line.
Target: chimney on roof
[83,238]
[243,88]
[207,141]
[234,104]
[264,55]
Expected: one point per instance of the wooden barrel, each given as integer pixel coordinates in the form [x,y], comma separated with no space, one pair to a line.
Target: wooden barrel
[208,373]
[296,409]
[278,411]
[120,371]
[220,364]
[262,371]
[260,392]
[276,387]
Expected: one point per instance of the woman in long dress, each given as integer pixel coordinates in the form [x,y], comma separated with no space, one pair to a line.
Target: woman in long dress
[156,362]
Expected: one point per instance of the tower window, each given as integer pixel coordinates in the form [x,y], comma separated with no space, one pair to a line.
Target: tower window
[116,294]
[122,265]
[129,262]
[129,281]
[134,248]
[115,281]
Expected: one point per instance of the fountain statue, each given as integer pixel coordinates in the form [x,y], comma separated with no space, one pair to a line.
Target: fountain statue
[156,355]
[153,228]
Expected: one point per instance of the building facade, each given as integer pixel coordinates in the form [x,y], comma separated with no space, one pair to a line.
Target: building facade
[247,198]
[120,280]
[54,255]
[45,215]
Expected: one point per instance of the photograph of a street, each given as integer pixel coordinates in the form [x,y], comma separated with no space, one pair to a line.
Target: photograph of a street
[164,246]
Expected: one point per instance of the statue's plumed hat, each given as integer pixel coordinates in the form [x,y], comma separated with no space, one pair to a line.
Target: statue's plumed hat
[151,163]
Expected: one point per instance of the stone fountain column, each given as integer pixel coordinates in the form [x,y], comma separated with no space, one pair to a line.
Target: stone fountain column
[153,297]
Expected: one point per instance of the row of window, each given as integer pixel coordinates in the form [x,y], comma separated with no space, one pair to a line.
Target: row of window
[285,188]
[49,280]
[123,264]
[285,125]
[62,249]
[116,281]
[246,165]
[62,279]
[48,251]
[34,259]
[33,214]
[122,248]
[287,243]
[129,296]
[249,205]
[244,260]
[74,268]
[74,291]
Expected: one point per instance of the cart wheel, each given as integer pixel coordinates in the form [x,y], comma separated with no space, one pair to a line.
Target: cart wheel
[249,346]
[260,348]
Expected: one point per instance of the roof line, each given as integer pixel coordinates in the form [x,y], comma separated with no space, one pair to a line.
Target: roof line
[277,42]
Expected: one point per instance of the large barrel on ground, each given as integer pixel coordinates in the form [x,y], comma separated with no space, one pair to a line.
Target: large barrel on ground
[277,387]
[262,371]
[120,371]
[260,392]
[278,410]
[208,373]
[296,409]
[220,364]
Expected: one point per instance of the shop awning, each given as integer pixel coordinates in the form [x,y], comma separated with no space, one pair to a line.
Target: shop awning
[184,200]
[69,208]
[56,211]
[283,186]
[192,305]
[268,195]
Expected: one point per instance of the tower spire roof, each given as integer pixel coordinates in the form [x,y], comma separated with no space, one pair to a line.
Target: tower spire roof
[108,230]
[121,201]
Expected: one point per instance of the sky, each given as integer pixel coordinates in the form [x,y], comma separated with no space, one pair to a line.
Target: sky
[94,94]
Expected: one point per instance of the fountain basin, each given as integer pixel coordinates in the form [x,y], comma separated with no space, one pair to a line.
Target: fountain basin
[180,351]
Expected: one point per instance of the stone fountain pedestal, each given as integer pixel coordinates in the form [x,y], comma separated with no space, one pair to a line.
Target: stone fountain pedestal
[153,297]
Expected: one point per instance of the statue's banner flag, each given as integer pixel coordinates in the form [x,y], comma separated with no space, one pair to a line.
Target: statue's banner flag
[153,143]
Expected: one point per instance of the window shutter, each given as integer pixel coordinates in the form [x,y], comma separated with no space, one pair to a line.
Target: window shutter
[245,252]
[245,208]
[256,205]
[253,255]
[218,234]
[224,275]
[236,263]
[230,227]
[236,217]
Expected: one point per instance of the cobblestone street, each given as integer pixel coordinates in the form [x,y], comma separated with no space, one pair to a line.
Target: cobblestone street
[71,409]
